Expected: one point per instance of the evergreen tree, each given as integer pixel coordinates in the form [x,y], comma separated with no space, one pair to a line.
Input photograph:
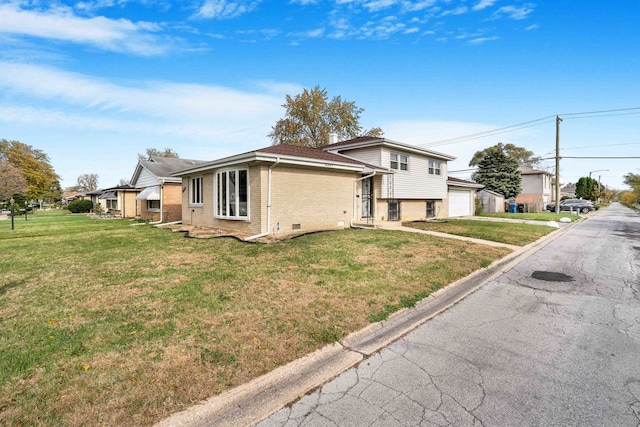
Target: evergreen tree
[498,172]
[587,188]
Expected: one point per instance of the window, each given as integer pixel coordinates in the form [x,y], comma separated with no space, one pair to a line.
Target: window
[399,162]
[434,167]
[112,204]
[232,194]
[195,191]
[431,208]
[153,205]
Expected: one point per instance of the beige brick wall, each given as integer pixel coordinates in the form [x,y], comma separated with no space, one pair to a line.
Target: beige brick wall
[171,205]
[314,199]
[411,210]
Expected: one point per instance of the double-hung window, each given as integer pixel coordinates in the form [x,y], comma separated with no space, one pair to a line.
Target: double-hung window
[232,194]
[399,162]
[434,167]
[112,204]
[195,191]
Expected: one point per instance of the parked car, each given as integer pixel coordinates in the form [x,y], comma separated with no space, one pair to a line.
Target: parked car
[583,206]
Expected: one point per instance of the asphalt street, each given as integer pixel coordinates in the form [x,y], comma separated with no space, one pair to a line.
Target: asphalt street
[554,341]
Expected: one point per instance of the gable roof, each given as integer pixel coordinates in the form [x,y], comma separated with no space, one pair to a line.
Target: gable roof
[163,167]
[369,141]
[526,170]
[457,182]
[288,154]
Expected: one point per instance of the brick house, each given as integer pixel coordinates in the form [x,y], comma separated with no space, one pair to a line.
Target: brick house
[537,189]
[160,194]
[286,189]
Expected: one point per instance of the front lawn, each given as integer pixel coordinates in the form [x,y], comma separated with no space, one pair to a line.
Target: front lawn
[518,234]
[108,324]
[533,216]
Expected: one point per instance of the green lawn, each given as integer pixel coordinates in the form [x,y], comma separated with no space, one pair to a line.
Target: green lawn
[533,216]
[505,232]
[104,323]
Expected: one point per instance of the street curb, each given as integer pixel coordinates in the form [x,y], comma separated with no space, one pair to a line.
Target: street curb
[249,403]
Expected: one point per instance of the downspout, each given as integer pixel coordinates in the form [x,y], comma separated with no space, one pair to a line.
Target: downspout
[268,231]
[355,194]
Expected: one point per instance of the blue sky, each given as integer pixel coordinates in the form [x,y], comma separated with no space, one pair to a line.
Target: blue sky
[94,83]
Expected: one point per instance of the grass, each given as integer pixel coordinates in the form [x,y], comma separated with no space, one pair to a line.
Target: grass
[107,324]
[511,233]
[533,216]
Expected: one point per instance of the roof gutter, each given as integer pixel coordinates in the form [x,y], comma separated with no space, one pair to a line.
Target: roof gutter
[268,230]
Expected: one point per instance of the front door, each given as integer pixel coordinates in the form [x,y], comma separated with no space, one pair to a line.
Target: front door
[367,198]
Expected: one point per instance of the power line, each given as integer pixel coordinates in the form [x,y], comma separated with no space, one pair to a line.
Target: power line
[531,123]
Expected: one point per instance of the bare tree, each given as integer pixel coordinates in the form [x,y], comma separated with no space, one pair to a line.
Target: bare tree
[168,152]
[87,182]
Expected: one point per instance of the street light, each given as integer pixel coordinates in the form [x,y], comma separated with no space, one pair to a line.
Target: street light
[12,212]
[599,170]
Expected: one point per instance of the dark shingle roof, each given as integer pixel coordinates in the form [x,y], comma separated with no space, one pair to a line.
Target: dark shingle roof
[165,166]
[310,153]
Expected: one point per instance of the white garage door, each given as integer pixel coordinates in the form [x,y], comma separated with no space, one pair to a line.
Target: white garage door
[459,203]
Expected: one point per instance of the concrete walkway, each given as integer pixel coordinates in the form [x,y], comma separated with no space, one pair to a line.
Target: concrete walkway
[398,226]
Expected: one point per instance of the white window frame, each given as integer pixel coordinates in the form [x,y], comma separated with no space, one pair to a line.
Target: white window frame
[435,167]
[112,204]
[196,192]
[223,206]
[401,162]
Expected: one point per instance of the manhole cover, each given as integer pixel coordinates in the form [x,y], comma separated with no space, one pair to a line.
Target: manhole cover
[551,276]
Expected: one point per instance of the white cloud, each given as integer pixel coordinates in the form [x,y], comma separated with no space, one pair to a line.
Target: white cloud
[60,23]
[460,10]
[483,4]
[376,5]
[513,12]
[167,103]
[532,27]
[223,9]
[480,40]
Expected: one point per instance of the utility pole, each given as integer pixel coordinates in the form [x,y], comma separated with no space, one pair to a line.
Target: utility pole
[558,120]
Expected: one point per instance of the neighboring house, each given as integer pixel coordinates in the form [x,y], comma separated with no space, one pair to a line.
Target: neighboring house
[491,201]
[568,190]
[416,189]
[160,193]
[537,189]
[119,201]
[94,196]
[462,196]
[286,189]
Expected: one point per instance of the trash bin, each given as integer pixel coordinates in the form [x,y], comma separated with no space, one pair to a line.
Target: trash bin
[520,207]
[512,207]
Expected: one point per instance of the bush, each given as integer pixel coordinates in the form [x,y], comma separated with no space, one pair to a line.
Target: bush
[80,206]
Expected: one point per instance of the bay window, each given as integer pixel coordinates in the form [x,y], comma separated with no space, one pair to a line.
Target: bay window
[232,194]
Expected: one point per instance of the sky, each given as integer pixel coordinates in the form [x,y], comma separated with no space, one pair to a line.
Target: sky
[94,83]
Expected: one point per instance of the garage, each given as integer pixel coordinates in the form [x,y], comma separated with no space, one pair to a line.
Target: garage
[462,194]
[460,203]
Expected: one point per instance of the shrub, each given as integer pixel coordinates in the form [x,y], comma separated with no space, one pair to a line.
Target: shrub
[80,206]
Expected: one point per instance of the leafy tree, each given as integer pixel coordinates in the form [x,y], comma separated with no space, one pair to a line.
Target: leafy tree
[87,182]
[168,152]
[34,165]
[310,118]
[12,180]
[633,181]
[587,188]
[521,155]
[499,172]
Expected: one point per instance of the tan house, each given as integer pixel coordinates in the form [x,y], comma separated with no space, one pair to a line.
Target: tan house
[285,189]
[119,201]
[537,189]
[159,195]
